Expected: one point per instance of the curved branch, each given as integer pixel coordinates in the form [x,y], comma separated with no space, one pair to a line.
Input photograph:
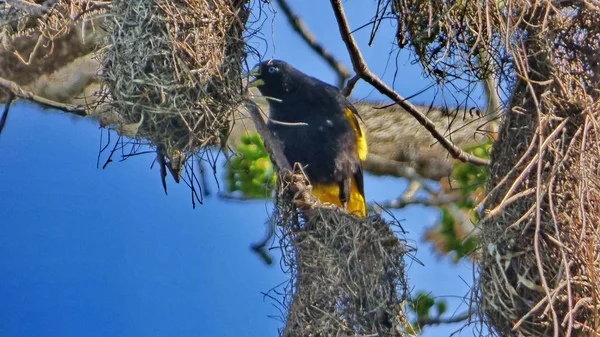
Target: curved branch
[19,92]
[4,116]
[361,69]
[422,321]
[350,85]
[299,27]
[428,202]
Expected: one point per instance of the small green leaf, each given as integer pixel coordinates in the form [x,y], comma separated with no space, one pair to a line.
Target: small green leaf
[441,306]
[250,171]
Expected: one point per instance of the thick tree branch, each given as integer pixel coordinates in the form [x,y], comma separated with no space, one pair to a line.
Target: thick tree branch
[19,92]
[299,27]
[361,69]
[382,166]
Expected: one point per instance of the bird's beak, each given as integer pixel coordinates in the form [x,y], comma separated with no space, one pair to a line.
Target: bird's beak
[257,81]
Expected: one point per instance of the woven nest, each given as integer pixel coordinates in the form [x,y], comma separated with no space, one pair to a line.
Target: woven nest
[451,38]
[347,274]
[540,264]
[173,70]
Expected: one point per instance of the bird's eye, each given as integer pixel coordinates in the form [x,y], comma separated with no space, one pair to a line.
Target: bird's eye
[272,70]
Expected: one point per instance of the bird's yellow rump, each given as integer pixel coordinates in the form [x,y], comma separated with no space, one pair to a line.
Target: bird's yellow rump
[331,193]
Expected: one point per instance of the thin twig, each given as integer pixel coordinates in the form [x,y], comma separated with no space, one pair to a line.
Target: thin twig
[162,163]
[299,27]
[429,202]
[16,90]
[350,85]
[422,321]
[4,116]
[362,70]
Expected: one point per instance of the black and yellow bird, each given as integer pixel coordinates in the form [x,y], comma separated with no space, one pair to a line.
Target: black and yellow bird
[319,129]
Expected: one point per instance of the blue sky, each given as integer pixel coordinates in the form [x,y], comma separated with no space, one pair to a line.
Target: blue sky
[104,252]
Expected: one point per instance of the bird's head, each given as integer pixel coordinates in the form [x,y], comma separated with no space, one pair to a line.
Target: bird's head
[274,78]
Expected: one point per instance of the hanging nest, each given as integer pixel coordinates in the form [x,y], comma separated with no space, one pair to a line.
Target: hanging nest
[540,266]
[172,70]
[539,259]
[452,39]
[347,273]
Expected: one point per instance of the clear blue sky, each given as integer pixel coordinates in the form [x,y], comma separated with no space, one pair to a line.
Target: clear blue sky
[93,252]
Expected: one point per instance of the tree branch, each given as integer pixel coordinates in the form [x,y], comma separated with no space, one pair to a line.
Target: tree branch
[362,70]
[423,321]
[299,27]
[429,202]
[4,116]
[379,165]
[16,90]
[416,183]
[350,85]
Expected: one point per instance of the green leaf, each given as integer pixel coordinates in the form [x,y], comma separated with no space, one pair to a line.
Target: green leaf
[250,171]
[422,304]
[442,307]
